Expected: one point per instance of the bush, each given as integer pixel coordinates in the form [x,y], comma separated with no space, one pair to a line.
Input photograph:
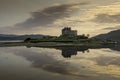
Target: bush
[28,39]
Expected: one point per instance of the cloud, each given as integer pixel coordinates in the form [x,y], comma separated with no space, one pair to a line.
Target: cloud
[49,15]
[106,18]
[105,61]
[112,28]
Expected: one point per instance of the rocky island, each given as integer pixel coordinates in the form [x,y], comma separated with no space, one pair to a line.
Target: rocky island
[68,37]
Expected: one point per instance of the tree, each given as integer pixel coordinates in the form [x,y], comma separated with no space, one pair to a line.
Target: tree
[27,39]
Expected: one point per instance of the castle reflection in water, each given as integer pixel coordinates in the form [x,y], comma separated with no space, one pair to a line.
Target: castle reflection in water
[69,51]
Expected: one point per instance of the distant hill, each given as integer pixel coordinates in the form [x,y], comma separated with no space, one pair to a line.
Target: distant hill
[113,35]
[19,37]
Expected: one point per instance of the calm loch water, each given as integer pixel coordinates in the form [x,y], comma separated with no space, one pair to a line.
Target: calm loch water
[64,63]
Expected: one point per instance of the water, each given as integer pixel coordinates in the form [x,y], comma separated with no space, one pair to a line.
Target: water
[10,41]
[60,63]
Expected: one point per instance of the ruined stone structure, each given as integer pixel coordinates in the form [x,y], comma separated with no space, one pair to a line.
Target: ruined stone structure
[68,31]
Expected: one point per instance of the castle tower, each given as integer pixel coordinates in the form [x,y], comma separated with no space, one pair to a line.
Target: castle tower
[68,31]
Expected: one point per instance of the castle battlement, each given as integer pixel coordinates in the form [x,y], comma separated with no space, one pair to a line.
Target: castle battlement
[68,31]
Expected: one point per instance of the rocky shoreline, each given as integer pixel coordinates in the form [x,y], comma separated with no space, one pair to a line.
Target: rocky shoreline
[52,44]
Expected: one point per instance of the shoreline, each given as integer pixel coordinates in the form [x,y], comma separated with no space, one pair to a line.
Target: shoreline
[53,44]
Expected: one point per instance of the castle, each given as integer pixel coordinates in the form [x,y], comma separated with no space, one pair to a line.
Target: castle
[68,31]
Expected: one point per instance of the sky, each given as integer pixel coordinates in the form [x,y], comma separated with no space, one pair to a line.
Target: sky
[50,16]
